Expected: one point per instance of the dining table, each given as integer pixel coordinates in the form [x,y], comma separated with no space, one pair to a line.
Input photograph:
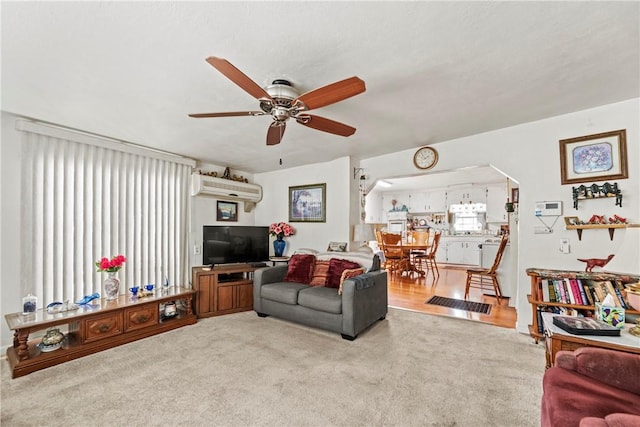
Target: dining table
[414,246]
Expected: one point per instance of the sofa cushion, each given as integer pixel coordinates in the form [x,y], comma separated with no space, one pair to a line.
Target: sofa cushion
[321,298]
[285,292]
[363,259]
[568,397]
[611,420]
[336,267]
[337,247]
[348,274]
[300,268]
[320,273]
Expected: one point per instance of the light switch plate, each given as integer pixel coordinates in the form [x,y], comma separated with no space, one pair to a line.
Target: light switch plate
[542,230]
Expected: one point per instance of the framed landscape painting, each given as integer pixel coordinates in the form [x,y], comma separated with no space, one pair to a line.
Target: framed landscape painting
[598,157]
[307,203]
[227,211]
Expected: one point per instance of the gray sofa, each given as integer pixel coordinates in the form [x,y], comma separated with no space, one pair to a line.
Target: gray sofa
[362,303]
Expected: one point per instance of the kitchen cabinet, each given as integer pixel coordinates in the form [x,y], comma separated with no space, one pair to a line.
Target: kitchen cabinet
[418,202]
[441,253]
[496,199]
[436,201]
[463,251]
[467,194]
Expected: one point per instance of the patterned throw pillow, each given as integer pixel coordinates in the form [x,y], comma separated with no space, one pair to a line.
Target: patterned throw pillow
[337,247]
[336,267]
[300,268]
[348,274]
[320,273]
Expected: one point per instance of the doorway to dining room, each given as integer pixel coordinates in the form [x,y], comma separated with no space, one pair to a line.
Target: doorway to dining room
[411,292]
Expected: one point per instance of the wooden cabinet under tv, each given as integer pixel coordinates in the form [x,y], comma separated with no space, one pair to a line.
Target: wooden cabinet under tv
[223,289]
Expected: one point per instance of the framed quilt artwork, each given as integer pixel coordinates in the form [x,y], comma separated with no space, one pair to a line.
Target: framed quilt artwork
[597,157]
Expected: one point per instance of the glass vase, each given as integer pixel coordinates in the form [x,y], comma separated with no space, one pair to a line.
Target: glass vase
[111,286]
[278,246]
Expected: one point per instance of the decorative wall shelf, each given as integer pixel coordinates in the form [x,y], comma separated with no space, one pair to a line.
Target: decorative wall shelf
[610,227]
[595,191]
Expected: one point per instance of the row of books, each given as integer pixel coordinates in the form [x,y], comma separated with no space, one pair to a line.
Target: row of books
[581,292]
[564,311]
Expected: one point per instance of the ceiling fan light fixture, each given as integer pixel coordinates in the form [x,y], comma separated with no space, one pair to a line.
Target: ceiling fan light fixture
[282,89]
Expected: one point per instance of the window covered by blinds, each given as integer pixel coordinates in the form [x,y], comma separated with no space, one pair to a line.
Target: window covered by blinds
[84,198]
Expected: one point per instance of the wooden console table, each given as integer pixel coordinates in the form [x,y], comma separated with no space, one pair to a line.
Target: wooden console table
[559,339]
[95,327]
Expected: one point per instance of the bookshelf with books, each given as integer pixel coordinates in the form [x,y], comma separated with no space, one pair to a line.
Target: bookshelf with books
[574,293]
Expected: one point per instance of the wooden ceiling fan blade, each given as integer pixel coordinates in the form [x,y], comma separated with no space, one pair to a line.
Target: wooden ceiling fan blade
[275,132]
[238,77]
[228,114]
[332,93]
[325,125]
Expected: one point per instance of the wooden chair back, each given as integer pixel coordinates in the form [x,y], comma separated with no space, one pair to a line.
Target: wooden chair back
[391,238]
[501,248]
[434,245]
[420,237]
[392,245]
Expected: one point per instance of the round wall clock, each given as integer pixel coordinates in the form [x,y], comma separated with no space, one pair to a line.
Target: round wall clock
[425,158]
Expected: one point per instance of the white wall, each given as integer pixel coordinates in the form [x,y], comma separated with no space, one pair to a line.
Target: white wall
[11,287]
[337,175]
[529,153]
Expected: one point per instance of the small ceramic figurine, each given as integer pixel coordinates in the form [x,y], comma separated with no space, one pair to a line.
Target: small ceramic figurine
[88,298]
[596,262]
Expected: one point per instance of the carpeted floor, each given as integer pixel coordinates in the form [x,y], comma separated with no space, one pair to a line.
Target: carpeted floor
[460,304]
[411,369]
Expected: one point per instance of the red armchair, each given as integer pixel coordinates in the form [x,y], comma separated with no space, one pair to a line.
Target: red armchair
[592,387]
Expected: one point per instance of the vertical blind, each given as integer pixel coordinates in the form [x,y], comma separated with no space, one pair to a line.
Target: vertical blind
[84,201]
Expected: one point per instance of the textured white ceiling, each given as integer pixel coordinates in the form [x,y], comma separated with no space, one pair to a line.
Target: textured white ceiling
[434,70]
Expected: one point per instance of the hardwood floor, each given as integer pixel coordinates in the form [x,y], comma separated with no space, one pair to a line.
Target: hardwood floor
[411,293]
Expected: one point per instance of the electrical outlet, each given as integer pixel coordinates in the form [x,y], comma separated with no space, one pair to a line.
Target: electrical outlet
[542,230]
[196,249]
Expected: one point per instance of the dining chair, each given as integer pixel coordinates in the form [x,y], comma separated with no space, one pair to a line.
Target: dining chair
[476,276]
[394,252]
[430,257]
[418,255]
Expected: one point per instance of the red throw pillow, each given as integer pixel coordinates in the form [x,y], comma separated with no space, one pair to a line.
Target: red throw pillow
[300,268]
[320,273]
[348,274]
[336,267]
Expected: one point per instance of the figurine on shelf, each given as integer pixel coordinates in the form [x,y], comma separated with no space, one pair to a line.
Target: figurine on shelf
[617,220]
[88,298]
[596,262]
[597,219]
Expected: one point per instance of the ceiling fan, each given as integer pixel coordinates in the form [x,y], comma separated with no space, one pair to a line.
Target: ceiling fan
[281,100]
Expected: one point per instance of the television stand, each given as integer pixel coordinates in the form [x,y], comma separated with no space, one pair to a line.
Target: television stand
[223,289]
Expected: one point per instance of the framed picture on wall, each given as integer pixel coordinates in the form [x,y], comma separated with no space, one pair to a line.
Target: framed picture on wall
[307,203]
[597,157]
[227,211]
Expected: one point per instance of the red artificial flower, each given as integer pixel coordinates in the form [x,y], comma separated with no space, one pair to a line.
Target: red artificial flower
[110,265]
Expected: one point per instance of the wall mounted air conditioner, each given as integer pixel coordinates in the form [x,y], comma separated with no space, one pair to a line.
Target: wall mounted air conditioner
[203,185]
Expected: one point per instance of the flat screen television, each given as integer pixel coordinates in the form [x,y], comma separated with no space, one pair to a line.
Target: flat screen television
[223,244]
